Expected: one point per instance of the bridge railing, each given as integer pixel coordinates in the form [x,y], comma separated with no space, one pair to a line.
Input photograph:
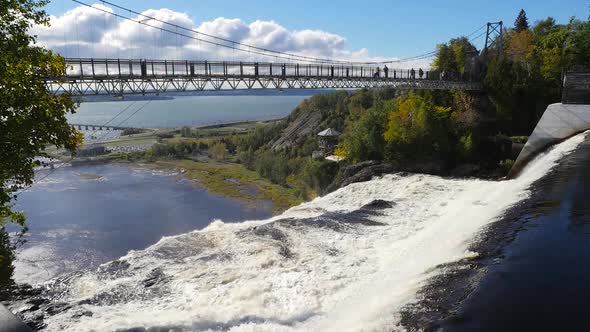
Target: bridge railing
[97,69]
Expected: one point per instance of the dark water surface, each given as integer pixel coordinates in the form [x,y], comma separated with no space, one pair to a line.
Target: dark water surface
[86,215]
[543,281]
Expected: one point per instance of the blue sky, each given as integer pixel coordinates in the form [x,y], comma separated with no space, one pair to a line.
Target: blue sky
[386,28]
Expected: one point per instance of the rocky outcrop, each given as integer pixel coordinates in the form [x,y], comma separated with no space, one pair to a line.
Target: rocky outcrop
[365,171]
[465,170]
[351,170]
[305,123]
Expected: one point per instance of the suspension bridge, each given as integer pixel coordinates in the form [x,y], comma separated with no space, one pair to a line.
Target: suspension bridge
[91,76]
[106,75]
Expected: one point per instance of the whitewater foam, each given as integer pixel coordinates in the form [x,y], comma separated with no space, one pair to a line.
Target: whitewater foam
[333,264]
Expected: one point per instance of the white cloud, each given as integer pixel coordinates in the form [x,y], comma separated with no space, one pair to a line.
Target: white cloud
[88,32]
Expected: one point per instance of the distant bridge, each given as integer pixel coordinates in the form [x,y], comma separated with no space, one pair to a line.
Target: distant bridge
[92,76]
[96,127]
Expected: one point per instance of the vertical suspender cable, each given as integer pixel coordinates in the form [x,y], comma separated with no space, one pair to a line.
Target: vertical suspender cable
[117,46]
[176,53]
[65,43]
[133,54]
[77,37]
[92,37]
[104,30]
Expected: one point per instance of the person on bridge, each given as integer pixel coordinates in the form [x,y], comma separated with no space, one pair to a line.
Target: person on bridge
[376,75]
[143,67]
[256,69]
[331,71]
[420,73]
[386,71]
[412,74]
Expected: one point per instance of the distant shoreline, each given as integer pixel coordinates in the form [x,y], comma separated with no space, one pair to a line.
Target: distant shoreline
[210,93]
[226,178]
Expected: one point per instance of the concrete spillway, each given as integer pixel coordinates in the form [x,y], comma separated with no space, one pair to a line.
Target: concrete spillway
[559,122]
[9,323]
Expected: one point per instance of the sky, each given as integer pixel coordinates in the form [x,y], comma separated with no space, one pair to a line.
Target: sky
[350,30]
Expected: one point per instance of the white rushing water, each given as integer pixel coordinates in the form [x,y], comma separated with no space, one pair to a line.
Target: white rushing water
[327,265]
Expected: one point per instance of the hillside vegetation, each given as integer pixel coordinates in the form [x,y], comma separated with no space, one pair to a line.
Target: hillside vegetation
[441,132]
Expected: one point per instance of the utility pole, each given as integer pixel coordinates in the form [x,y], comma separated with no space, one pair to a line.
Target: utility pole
[494,34]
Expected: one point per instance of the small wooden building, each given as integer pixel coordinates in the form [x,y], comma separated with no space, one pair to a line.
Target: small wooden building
[328,139]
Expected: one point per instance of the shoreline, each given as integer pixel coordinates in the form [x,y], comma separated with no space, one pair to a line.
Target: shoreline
[246,187]
[225,178]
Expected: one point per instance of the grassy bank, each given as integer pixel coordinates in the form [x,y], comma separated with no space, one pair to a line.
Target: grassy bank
[234,181]
[225,177]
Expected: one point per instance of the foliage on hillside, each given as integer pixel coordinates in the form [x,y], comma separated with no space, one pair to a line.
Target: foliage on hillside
[527,75]
[293,166]
[415,127]
[439,129]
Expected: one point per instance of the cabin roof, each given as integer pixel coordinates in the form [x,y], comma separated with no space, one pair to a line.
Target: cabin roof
[329,132]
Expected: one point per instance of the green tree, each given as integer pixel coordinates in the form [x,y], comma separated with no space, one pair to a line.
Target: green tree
[417,129]
[30,117]
[553,49]
[454,55]
[499,83]
[318,175]
[445,59]
[543,27]
[363,137]
[580,42]
[218,151]
[6,258]
[522,22]
[463,49]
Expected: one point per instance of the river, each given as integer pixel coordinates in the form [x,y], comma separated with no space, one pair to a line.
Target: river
[190,110]
[83,216]
[540,281]
[347,261]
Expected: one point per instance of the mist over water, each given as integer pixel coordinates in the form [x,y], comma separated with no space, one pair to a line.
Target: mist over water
[347,261]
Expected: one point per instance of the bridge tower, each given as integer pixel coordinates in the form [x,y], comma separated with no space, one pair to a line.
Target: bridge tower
[494,35]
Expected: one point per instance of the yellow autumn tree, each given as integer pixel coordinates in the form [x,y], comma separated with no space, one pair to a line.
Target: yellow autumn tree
[521,47]
[417,128]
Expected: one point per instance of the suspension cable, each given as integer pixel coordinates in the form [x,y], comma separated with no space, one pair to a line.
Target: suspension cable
[259,50]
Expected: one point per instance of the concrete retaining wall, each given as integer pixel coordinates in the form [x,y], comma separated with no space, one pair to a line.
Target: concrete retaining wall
[9,322]
[559,122]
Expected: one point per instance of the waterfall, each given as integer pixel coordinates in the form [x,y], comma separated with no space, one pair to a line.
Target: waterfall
[347,261]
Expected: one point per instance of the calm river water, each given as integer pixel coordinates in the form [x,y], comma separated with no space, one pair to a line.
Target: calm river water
[193,110]
[83,216]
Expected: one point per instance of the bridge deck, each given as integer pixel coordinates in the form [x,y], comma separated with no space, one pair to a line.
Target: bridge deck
[134,76]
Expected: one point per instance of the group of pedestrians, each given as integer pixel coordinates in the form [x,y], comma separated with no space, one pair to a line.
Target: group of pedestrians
[412,73]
